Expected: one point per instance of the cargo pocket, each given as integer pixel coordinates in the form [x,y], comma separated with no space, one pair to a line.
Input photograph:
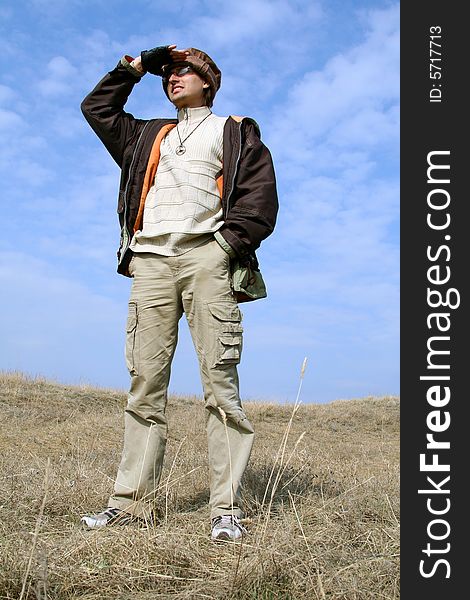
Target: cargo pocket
[131,331]
[227,322]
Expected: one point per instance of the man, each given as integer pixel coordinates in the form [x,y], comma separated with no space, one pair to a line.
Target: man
[197,196]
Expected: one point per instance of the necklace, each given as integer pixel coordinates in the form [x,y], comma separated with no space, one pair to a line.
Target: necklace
[181,148]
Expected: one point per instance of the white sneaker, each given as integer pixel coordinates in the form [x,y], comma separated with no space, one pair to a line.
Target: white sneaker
[227,527]
[110,516]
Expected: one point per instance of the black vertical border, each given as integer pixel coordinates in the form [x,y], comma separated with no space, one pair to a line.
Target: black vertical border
[425,127]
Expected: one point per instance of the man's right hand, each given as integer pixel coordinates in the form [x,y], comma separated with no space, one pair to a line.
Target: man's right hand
[153,60]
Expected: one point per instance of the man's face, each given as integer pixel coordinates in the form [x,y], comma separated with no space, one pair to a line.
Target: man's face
[186,87]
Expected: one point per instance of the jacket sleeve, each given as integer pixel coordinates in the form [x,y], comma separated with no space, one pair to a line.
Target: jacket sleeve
[103,108]
[254,204]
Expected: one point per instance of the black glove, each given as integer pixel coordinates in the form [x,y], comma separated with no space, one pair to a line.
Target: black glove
[153,60]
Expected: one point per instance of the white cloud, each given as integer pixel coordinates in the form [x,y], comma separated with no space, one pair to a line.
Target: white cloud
[240,21]
[61,78]
[9,120]
[371,126]
[339,211]
[357,86]
[68,124]
[7,94]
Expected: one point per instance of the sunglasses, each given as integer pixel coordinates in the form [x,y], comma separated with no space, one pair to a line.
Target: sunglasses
[180,71]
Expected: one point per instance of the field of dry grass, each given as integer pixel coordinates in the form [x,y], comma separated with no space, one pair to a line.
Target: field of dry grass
[323,519]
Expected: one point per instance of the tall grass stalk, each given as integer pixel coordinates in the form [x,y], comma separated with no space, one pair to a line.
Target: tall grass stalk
[281,449]
[279,460]
[167,487]
[36,531]
[320,584]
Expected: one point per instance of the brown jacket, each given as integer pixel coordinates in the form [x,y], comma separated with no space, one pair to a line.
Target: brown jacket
[247,182]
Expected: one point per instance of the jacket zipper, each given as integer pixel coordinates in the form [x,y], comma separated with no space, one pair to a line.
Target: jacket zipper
[227,205]
[125,233]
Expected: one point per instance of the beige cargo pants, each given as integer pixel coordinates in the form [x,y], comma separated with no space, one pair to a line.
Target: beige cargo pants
[198,284]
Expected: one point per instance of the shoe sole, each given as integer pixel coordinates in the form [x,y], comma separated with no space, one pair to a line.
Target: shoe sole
[225,537]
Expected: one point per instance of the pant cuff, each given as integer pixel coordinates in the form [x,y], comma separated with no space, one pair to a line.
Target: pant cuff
[143,510]
[219,512]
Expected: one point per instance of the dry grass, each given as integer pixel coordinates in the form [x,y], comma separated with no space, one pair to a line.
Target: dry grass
[328,530]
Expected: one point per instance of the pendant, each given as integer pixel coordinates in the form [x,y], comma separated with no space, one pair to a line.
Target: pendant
[180,150]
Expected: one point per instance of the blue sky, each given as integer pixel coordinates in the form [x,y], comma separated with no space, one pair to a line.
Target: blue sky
[321,79]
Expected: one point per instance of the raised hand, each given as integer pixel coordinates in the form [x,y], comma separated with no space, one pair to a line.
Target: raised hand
[154,59]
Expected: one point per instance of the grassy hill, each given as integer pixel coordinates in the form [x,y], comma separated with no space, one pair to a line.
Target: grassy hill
[323,516]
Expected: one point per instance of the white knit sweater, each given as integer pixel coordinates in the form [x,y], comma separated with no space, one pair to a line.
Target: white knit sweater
[183,207]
